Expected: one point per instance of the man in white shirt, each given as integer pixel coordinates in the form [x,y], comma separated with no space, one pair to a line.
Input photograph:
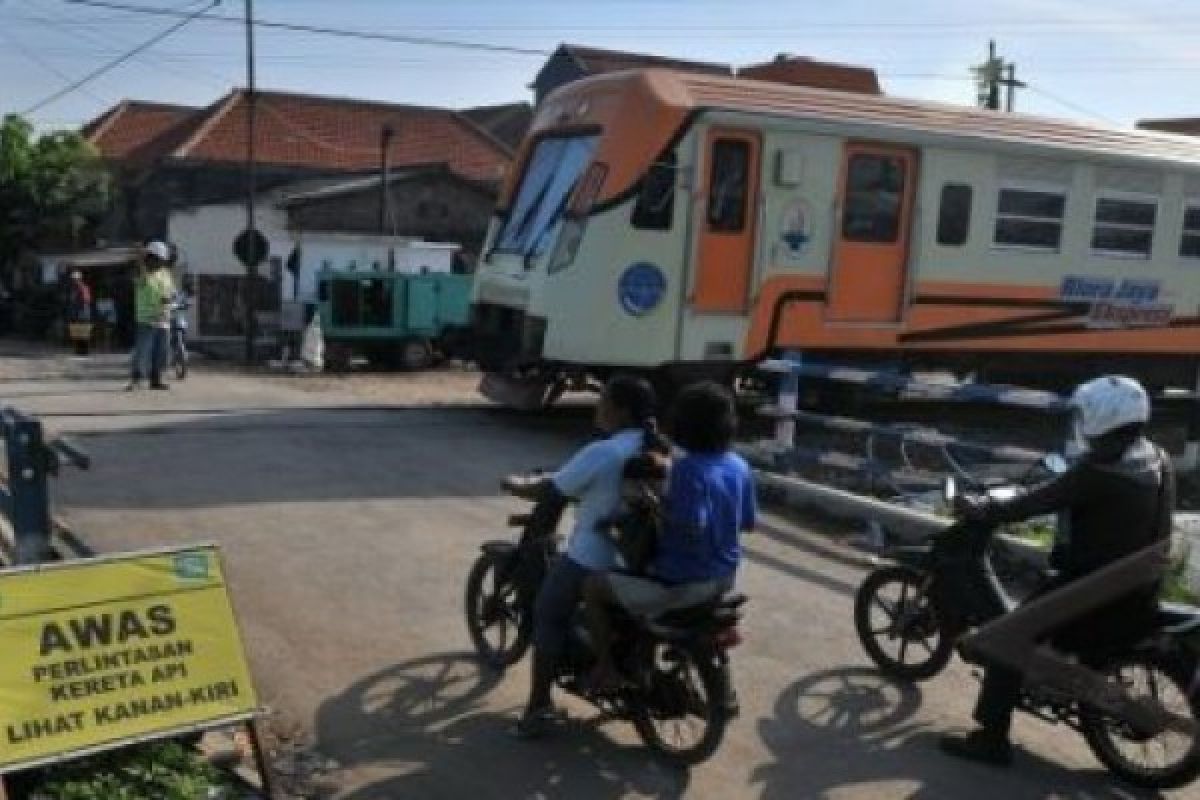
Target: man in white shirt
[592,478]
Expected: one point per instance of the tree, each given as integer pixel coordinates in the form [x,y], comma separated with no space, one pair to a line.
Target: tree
[54,190]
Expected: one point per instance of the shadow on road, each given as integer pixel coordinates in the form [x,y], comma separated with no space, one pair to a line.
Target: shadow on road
[849,727]
[426,720]
[307,455]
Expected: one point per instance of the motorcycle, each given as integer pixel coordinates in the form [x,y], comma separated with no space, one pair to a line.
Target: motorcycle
[675,689]
[1138,710]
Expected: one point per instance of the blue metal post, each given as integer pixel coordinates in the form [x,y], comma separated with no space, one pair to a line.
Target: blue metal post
[27,483]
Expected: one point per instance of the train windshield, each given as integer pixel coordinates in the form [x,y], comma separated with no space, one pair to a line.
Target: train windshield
[553,171]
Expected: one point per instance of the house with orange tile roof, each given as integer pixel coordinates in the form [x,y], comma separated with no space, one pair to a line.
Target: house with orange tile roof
[169,157]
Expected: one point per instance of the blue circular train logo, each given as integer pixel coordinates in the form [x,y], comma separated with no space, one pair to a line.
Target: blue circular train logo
[641,288]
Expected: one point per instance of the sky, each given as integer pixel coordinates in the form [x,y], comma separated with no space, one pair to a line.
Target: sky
[1105,61]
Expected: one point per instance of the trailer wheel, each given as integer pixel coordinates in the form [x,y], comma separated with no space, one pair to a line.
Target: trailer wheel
[416,354]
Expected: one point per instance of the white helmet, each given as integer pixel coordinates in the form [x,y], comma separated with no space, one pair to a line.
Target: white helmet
[1108,403]
[159,250]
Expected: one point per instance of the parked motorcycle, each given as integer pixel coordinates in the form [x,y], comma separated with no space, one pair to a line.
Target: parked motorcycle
[675,687]
[1138,711]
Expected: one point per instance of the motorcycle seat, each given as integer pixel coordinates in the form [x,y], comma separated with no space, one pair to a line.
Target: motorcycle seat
[722,609]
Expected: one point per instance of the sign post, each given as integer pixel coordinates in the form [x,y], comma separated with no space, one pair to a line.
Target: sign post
[105,652]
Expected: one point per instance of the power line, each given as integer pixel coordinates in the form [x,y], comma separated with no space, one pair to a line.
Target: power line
[53,24]
[43,63]
[1073,106]
[323,30]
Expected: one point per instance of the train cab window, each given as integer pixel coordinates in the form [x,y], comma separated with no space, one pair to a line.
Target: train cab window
[728,181]
[1124,227]
[1189,247]
[954,215]
[655,206]
[874,198]
[552,171]
[1031,218]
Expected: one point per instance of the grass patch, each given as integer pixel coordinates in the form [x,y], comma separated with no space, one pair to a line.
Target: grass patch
[1175,587]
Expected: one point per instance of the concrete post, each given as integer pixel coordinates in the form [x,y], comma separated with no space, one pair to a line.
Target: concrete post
[789,402]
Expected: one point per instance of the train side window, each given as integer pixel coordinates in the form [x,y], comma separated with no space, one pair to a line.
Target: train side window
[874,198]
[655,207]
[1030,218]
[954,215]
[728,180]
[1124,227]
[1189,247]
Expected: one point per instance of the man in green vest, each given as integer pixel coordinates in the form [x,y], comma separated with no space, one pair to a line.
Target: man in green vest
[154,292]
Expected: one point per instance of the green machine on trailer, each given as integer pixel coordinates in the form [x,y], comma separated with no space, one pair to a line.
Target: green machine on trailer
[393,318]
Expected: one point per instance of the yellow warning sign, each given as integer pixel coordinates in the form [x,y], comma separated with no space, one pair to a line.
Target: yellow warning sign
[99,652]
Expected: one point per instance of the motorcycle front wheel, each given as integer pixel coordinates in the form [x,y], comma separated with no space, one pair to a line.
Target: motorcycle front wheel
[684,709]
[497,620]
[898,625]
[1166,759]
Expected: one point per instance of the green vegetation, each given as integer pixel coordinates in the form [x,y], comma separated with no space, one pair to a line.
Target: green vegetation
[159,771]
[1175,589]
[53,189]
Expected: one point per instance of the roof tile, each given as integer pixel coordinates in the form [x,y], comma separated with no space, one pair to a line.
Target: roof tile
[300,130]
[131,125]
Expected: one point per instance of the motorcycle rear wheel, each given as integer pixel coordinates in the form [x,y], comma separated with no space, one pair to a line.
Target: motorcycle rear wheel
[890,607]
[500,626]
[1165,682]
[692,679]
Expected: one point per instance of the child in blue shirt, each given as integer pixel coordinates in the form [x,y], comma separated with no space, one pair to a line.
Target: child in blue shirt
[709,501]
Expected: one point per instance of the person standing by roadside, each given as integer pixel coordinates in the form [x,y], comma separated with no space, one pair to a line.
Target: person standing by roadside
[79,313]
[154,295]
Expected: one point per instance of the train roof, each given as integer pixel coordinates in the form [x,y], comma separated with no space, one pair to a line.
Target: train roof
[691,92]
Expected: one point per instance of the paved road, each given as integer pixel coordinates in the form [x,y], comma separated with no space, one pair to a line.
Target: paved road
[348,533]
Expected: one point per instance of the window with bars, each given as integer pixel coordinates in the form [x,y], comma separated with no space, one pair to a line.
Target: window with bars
[1124,226]
[1189,246]
[1030,218]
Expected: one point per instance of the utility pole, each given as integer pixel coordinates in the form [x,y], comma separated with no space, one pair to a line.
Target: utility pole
[1011,84]
[385,192]
[987,76]
[251,292]
[991,75]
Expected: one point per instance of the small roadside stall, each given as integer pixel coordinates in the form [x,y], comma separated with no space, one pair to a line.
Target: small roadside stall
[110,274]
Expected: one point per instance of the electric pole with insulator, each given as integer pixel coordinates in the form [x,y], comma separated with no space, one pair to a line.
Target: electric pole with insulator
[991,75]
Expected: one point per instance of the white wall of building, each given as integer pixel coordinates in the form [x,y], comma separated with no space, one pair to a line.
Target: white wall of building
[204,236]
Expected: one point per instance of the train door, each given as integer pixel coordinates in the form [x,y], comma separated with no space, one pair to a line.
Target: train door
[726,247]
[869,271]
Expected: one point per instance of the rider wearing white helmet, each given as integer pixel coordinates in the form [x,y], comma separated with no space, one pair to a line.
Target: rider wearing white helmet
[1116,500]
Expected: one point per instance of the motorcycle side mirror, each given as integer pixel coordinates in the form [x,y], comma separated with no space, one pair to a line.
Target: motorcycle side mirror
[1054,463]
[949,490]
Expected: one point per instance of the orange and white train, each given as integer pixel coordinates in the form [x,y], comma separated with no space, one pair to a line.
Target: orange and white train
[690,225]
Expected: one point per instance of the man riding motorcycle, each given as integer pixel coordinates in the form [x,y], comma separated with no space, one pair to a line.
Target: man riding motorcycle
[1116,500]
[592,477]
